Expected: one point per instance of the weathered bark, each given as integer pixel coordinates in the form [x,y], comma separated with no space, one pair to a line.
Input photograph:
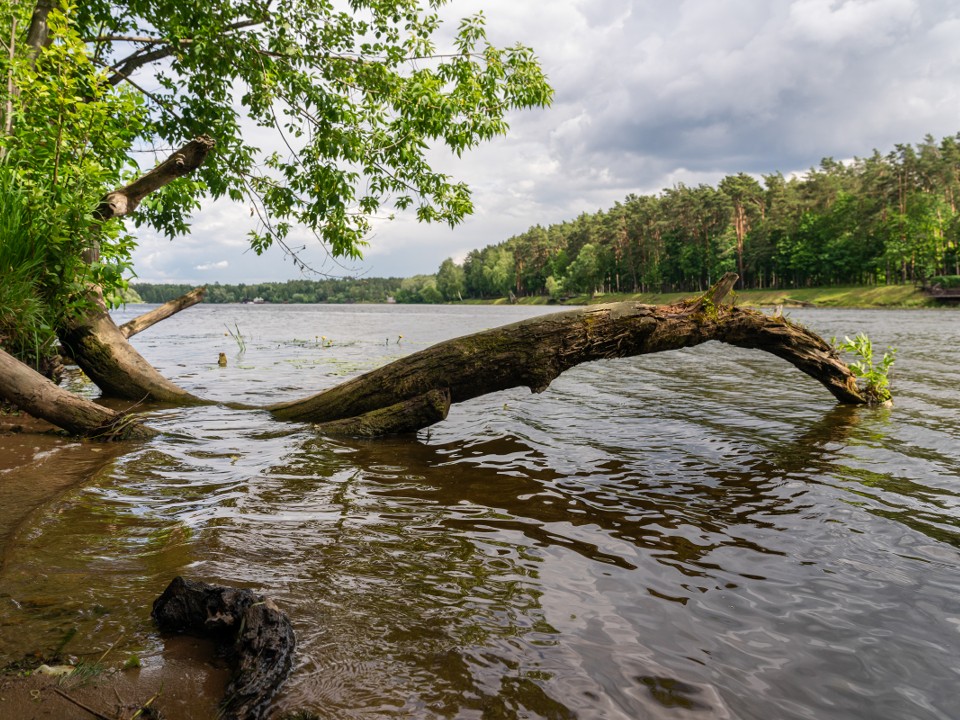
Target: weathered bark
[533,352]
[94,341]
[403,417]
[182,162]
[141,323]
[256,635]
[96,344]
[33,393]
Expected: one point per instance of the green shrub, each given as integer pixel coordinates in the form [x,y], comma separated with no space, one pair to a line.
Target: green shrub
[875,381]
[27,319]
[945,281]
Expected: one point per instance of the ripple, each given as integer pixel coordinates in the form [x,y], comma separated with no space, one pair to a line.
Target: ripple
[701,533]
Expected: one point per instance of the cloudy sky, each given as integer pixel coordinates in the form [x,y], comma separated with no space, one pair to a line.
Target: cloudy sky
[649,93]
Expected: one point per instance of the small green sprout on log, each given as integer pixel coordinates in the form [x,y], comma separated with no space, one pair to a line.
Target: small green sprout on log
[874,378]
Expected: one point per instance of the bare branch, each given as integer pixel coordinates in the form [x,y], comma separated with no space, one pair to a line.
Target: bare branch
[141,323]
[125,200]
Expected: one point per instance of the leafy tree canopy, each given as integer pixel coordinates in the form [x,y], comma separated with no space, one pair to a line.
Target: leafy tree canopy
[355,92]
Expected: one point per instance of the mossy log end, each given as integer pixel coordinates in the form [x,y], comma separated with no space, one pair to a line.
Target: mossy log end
[257,637]
[142,322]
[96,344]
[403,417]
[33,393]
[533,352]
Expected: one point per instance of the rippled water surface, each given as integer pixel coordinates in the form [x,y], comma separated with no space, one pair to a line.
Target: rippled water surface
[695,534]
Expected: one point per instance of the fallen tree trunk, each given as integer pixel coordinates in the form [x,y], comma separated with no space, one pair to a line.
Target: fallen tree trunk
[93,340]
[257,637]
[96,344]
[533,352]
[33,393]
[141,323]
[416,391]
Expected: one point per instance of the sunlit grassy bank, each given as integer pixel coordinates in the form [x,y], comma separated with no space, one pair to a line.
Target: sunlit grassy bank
[886,296]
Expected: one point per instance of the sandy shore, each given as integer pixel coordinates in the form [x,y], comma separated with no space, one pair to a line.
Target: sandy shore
[186,681]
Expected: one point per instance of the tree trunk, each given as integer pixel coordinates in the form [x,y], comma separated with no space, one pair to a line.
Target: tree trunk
[533,352]
[141,323]
[94,341]
[33,393]
[96,344]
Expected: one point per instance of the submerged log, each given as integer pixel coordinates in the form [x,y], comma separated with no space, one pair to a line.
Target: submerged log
[403,417]
[33,393]
[142,322]
[533,352]
[257,637]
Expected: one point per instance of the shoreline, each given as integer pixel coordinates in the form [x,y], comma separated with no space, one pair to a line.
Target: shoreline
[38,463]
[854,297]
[851,296]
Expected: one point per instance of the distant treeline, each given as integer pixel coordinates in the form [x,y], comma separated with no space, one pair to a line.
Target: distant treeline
[362,290]
[884,219]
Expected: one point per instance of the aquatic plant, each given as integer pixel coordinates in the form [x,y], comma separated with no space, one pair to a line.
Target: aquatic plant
[875,377]
[238,338]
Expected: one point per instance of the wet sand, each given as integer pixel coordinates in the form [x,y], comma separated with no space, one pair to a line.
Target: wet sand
[186,681]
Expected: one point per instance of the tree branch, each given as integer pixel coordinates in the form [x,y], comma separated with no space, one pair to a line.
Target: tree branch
[141,323]
[182,162]
[137,59]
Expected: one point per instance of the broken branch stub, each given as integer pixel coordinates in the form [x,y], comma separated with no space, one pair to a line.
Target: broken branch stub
[171,307]
[184,161]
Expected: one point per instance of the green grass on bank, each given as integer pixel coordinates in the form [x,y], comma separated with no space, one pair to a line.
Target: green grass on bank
[882,296]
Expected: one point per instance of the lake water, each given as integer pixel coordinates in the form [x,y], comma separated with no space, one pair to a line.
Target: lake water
[697,534]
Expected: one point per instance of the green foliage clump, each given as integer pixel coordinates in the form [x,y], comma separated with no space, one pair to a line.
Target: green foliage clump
[875,378]
[35,273]
[68,132]
[947,282]
[358,94]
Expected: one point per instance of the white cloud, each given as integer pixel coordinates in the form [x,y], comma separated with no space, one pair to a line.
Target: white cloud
[220,265]
[649,94]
